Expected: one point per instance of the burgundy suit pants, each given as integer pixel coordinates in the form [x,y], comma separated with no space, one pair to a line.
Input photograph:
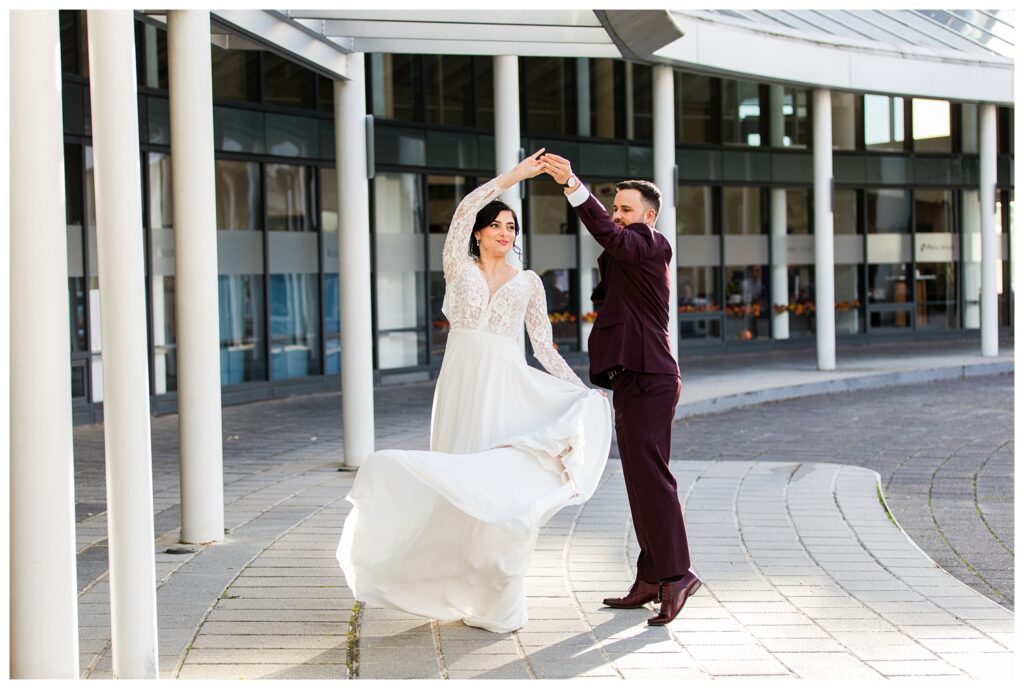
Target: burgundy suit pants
[645,405]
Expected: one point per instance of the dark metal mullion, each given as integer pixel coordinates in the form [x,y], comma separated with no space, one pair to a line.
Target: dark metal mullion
[425,217]
[318,203]
[375,346]
[266,266]
[717,197]
[147,269]
[913,259]
[860,201]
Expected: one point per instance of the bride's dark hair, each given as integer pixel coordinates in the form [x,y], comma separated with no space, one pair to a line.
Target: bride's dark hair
[484,218]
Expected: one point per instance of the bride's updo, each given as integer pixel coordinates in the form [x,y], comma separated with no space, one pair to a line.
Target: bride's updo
[484,218]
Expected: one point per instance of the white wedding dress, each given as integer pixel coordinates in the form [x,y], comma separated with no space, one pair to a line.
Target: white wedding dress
[448,534]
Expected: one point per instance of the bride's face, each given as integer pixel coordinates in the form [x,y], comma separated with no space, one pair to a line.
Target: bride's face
[497,238]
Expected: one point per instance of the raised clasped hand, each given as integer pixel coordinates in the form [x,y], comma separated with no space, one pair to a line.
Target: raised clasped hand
[532,165]
[559,168]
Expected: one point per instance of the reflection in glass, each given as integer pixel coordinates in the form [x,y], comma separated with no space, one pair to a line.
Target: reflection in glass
[550,94]
[801,302]
[401,265]
[741,210]
[294,321]
[241,329]
[328,199]
[935,247]
[90,188]
[694,109]
[548,209]
[699,303]
[844,121]
[741,113]
[151,46]
[235,74]
[332,325]
[443,195]
[884,123]
[560,286]
[605,78]
[798,218]
[845,215]
[238,195]
[165,349]
[395,80]
[289,198]
[76,311]
[640,112]
[847,294]
[746,303]
[971,222]
[484,70]
[693,211]
[160,200]
[287,83]
[797,125]
[931,126]
[888,211]
[448,86]
[74,42]
[73,184]
[969,128]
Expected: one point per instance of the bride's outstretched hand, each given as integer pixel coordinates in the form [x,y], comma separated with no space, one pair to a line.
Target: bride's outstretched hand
[531,166]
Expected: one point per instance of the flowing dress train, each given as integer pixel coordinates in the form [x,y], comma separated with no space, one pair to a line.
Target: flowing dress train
[448,533]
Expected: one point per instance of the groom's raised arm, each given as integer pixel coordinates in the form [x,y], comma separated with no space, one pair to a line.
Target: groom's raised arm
[624,244]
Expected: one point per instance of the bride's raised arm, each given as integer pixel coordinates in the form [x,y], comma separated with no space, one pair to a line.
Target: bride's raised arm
[456,244]
[539,328]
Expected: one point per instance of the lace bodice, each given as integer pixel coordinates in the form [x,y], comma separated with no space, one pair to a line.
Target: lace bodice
[467,301]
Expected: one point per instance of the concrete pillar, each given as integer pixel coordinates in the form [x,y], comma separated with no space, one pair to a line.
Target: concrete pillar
[195,264]
[824,252]
[115,130]
[507,137]
[354,262]
[779,268]
[989,238]
[43,586]
[665,178]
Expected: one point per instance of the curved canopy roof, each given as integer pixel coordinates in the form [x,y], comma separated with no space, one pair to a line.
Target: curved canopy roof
[955,54]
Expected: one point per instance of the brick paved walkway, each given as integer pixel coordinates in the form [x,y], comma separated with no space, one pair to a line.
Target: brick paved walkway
[799,557]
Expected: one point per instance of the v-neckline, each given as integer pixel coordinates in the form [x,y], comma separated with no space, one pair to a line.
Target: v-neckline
[483,278]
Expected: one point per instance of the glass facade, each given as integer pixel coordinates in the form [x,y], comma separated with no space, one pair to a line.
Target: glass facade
[907,235]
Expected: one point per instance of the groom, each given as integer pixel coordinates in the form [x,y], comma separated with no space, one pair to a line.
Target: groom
[630,354]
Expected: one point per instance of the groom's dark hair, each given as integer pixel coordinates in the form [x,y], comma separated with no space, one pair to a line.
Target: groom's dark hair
[648,190]
[484,218]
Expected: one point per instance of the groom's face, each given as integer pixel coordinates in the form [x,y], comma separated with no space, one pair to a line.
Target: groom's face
[629,208]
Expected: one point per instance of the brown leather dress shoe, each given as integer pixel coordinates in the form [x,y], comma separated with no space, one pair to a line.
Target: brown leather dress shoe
[673,598]
[640,594]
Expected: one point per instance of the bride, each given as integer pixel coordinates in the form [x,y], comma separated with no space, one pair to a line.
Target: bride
[448,533]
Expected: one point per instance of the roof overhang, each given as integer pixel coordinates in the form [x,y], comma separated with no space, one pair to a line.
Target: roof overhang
[722,48]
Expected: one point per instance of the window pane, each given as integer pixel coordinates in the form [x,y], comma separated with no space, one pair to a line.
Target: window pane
[798,220]
[289,198]
[844,121]
[640,120]
[241,329]
[160,199]
[76,303]
[847,292]
[238,195]
[799,301]
[797,126]
[884,125]
[151,43]
[698,296]
[484,70]
[294,329]
[325,94]
[693,211]
[741,210]
[888,211]
[328,199]
[73,184]
[694,109]
[969,128]
[396,86]
[550,93]
[548,209]
[741,113]
[287,83]
[165,350]
[69,38]
[332,325]
[560,286]
[845,216]
[746,307]
[236,74]
[887,284]
[607,107]
[448,85]
[444,193]
[932,129]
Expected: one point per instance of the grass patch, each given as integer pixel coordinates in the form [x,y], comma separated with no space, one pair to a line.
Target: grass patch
[885,508]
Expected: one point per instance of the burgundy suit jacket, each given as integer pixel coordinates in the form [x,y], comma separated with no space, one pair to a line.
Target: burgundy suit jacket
[631,329]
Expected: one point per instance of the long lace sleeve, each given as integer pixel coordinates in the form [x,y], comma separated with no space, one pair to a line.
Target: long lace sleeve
[539,328]
[456,244]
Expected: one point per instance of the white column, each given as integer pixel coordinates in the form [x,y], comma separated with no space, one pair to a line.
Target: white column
[779,268]
[195,269]
[354,262]
[507,140]
[665,178]
[43,586]
[824,253]
[989,238]
[115,131]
